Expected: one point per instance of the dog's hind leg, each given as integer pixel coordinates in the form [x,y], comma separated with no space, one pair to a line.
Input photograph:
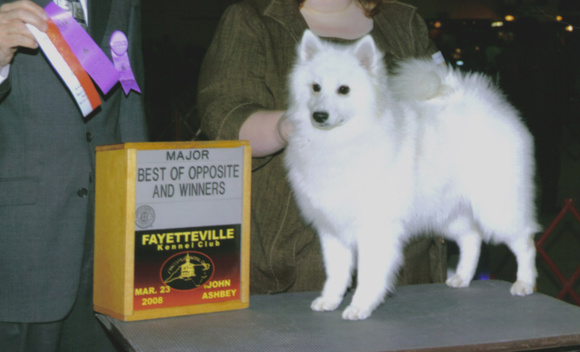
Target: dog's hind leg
[338,262]
[525,251]
[465,233]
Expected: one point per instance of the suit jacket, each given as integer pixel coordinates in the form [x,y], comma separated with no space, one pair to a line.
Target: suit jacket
[47,164]
[245,70]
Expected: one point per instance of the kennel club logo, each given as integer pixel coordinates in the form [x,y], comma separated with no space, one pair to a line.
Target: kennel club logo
[187,270]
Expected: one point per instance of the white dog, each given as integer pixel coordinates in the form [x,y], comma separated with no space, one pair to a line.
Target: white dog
[374,160]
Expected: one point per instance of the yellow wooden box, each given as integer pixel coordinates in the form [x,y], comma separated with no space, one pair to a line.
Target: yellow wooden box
[172,228]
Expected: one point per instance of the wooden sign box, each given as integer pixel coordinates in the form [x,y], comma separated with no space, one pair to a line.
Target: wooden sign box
[172,227]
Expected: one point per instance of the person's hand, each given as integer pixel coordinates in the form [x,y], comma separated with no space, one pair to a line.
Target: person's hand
[13,31]
[267,131]
[284,128]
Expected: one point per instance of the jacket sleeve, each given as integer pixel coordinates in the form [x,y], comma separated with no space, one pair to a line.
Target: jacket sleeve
[4,81]
[4,88]
[424,46]
[232,78]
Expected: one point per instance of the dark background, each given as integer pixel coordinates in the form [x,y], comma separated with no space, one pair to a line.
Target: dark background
[533,59]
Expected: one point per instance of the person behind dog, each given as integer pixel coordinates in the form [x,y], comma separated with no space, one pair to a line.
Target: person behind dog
[243,95]
[47,155]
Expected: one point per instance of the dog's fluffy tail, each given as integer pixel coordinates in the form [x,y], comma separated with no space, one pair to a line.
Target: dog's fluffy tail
[418,79]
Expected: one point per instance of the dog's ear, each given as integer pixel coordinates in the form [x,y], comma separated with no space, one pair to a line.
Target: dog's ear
[367,53]
[309,45]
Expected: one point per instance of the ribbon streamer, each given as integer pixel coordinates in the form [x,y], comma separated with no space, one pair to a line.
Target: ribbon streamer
[90,55]
[68,67]
[119,45]
[75,56]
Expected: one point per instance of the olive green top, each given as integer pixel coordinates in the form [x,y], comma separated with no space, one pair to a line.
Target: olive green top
[245,70]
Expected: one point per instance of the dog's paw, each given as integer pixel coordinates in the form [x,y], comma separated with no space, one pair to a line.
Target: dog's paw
[520,288]
[325,304]
[355,313]
[457,281]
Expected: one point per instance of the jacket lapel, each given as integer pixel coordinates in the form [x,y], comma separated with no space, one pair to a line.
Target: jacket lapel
[99,11]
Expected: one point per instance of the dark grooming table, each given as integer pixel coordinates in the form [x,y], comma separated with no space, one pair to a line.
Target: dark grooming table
[483,317]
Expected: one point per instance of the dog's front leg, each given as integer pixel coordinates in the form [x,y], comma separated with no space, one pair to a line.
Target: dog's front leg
[379,258]
[338,262]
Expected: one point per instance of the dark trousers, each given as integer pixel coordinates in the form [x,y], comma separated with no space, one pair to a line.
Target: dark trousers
[78,331]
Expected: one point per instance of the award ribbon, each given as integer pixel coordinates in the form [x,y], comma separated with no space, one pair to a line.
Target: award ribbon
[68,67]
[90,55]
[119,45]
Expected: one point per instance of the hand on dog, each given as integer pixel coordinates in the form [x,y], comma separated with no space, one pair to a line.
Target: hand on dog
[284,128]
[267,131]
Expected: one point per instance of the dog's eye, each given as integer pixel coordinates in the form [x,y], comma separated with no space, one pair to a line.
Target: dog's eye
[316,87]
[343,90]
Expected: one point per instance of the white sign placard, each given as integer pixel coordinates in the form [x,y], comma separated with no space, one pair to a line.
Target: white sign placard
[181,188]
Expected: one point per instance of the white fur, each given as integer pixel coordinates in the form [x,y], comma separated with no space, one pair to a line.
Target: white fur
[396,158]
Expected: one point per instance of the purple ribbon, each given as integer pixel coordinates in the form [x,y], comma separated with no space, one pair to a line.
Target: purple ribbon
[119,45]
[90,55]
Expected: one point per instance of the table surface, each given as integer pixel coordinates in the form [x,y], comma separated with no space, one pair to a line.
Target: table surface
[433,317]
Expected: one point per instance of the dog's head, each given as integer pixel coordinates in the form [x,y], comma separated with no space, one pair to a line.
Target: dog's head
[332,84]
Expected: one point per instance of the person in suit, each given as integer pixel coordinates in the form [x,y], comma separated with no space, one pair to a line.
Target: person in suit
[47,168]
[243,95]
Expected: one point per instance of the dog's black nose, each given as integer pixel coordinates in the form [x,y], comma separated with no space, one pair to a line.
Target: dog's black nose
[320,116]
